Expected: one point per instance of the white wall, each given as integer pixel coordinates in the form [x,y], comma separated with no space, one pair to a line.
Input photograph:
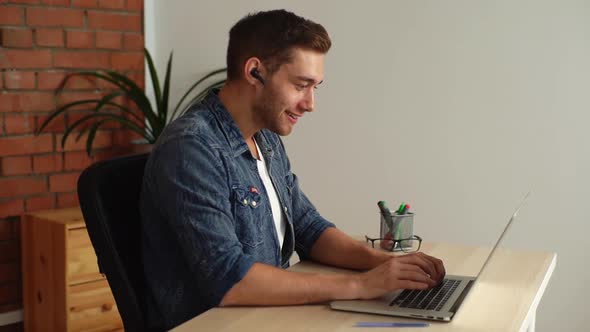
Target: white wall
[457,107]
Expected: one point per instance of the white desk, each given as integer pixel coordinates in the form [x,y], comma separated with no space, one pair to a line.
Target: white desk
[504,299]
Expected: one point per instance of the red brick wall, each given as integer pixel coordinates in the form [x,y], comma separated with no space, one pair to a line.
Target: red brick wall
[40,42]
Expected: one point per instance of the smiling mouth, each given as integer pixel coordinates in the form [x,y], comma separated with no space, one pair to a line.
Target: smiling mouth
[293,116]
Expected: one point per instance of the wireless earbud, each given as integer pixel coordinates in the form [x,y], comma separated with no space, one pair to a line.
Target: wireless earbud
[254,72]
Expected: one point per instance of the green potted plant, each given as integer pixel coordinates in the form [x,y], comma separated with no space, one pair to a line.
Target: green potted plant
[145,119]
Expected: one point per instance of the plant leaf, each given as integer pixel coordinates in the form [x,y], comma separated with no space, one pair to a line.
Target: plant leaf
[124,121]
[81,133]
[123,109]
[142,102]
[98,74]
[211,74]
[106,101]
[90,138]
[165,95]
[61,110]
[154,76]
[135,116]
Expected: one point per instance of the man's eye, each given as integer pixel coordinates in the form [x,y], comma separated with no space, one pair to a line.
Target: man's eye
[299,87]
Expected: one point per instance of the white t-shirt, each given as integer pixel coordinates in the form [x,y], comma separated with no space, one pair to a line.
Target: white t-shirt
[275,205]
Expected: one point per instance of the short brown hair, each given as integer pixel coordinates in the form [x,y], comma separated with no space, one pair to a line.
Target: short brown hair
[271,37]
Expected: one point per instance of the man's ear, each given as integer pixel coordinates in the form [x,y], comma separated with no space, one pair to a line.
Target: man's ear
[252,71]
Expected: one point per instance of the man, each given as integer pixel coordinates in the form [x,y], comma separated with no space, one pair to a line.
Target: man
[222,211]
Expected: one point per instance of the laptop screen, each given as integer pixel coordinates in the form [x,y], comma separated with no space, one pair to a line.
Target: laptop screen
[504,232]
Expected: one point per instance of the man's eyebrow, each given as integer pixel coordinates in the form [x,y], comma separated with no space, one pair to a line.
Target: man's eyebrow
[309,80]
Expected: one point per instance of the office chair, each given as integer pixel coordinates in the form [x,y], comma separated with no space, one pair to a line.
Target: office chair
[109,198]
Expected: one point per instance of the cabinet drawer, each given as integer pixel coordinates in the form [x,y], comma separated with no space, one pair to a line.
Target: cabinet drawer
[91,307]
[81,259]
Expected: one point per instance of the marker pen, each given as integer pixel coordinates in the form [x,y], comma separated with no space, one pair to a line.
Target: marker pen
[386,214]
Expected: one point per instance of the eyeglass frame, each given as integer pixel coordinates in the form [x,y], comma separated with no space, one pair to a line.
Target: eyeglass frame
[414,237]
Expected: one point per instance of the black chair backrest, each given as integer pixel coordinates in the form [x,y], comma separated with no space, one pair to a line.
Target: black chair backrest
[109,194]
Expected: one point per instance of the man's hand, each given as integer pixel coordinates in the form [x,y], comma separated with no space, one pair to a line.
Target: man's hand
[411,271]
[387,273]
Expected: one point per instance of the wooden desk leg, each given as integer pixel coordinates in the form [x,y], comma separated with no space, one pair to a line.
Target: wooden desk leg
[531,327]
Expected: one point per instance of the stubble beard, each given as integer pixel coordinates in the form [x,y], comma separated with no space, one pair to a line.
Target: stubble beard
[269,112]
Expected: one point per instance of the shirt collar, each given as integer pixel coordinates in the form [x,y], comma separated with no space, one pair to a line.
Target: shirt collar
[230,127]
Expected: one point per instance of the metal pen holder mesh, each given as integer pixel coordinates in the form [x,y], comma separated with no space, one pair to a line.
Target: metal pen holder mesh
[402,228]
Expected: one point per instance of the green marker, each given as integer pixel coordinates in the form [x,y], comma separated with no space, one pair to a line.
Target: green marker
[401,208]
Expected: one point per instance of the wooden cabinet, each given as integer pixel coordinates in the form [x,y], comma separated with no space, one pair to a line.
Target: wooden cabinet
[62,287]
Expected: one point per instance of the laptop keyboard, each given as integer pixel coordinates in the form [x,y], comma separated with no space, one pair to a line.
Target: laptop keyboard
[428,299]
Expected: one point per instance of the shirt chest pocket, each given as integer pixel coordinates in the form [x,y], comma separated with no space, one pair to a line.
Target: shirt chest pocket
[249,214]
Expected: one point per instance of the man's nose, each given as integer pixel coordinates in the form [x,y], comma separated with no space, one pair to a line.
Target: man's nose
[308,102]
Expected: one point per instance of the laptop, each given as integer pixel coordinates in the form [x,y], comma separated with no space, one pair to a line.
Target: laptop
[439,303]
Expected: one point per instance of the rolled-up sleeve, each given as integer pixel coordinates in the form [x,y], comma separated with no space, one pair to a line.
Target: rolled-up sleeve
[192,188]
[307,222]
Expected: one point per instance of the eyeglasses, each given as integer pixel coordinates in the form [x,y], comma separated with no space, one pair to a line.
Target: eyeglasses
[410,244]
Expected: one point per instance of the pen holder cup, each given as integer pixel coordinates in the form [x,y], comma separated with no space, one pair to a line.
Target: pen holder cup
[402,228]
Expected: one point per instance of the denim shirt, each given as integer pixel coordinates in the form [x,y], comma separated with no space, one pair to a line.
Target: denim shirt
[206,216]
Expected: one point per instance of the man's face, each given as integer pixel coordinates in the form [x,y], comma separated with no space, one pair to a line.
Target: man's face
[289,93]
